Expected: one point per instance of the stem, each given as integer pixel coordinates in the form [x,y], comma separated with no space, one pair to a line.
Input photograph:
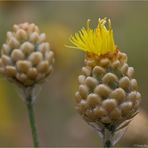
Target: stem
[107,144]
[107,136]
[32,123]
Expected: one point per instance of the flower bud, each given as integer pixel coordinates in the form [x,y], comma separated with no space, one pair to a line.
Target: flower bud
[108,95]
[26,58]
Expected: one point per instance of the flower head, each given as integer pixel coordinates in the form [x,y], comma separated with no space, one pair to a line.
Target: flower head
[98,41]
[108,96]
[26,57]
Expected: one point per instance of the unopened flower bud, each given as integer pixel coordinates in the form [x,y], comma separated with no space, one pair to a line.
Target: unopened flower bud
[26,57]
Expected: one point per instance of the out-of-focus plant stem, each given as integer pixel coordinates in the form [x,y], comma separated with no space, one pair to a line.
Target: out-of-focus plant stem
[30,107]
[107,136]
[107,144]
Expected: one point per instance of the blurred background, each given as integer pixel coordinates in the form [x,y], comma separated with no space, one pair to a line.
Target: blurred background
[58,122]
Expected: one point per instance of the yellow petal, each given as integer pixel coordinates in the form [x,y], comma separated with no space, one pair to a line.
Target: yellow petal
[97,41]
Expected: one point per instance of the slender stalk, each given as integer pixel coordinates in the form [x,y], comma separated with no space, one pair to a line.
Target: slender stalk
[107,144]
[107,136]
[32,123]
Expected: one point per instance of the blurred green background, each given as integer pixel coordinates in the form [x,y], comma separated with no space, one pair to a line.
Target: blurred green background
[58,122]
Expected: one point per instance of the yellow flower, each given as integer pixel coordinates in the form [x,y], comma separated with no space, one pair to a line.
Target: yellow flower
[98,41]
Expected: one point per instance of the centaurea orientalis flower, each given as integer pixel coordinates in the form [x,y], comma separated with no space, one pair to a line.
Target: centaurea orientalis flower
[26,56]
[27,60]
[108,96]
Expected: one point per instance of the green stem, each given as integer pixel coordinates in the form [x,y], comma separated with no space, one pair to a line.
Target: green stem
[107,144]
[32,123]
[107,136]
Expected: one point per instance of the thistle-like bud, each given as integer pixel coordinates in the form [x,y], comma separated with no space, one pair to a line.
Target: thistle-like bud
[112,89]
[108,95]
[26,57]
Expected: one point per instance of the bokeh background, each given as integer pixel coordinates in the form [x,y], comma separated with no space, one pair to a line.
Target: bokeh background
[58,122]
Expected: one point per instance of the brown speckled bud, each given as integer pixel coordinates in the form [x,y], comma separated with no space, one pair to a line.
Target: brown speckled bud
[108,93]
[26,57]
